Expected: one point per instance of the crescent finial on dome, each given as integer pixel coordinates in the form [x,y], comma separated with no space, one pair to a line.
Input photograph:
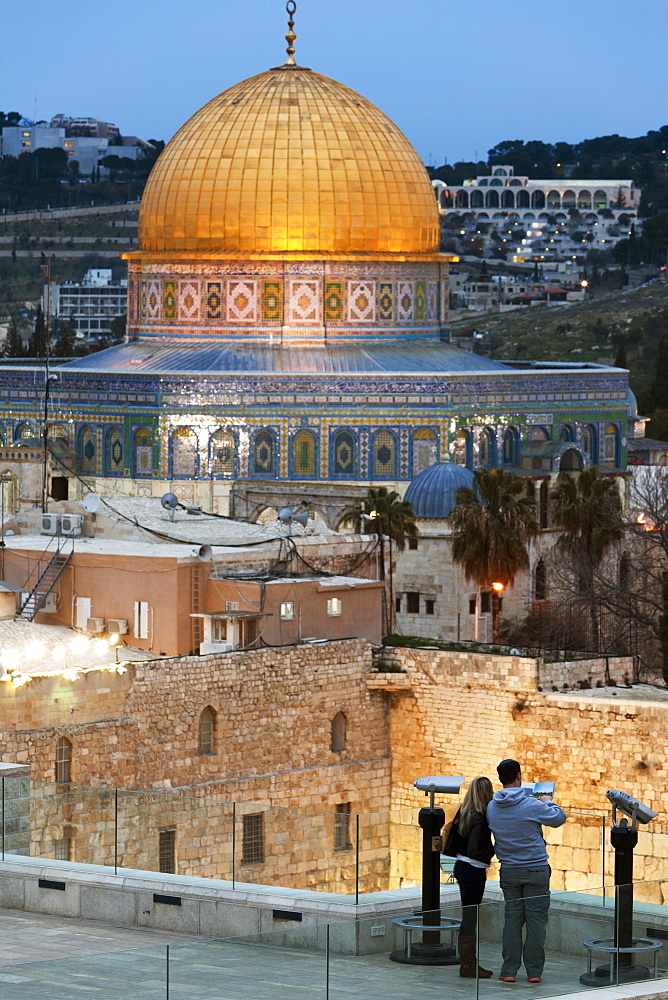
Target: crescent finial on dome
[291,7]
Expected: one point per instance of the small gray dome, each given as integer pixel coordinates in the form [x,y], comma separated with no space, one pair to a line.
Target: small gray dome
[433,493]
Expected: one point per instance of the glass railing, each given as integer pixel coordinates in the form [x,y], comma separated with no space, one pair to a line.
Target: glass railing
[383,955]
[249,843]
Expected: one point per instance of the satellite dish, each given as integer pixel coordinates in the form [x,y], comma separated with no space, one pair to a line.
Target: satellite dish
[91,502]
[170,502]
[204,553]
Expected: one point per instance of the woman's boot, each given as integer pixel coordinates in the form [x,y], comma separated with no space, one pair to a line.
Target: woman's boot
[467,959]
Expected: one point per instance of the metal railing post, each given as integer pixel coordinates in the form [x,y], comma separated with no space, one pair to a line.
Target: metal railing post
[234,839]
[357,858]
[115,831]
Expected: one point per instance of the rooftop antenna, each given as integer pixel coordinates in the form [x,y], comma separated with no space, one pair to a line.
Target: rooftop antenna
[291,7]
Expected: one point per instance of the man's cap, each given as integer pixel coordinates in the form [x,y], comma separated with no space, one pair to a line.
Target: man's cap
[508,770]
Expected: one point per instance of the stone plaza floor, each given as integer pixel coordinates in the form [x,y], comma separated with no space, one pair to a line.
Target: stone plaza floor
[50,958]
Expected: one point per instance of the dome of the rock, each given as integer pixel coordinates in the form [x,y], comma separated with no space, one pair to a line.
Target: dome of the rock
[289,162]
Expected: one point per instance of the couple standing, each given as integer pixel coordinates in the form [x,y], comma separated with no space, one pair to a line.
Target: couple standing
[516,820]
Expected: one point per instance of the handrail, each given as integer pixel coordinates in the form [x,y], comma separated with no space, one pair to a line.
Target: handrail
[62,541]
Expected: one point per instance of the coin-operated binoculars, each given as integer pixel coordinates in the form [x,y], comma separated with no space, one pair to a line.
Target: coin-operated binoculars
[431,819]
[623,946]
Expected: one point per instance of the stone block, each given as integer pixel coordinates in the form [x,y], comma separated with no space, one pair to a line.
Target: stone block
[118,906]
[55,902]
[227,919]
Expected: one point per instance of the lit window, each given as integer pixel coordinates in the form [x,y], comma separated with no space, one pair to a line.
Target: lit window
[287,609]
[253,839]
[334,606]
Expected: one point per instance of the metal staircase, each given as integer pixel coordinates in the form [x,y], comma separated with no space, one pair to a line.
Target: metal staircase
[46,578]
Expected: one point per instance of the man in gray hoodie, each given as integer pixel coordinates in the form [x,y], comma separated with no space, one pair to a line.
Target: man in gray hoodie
[516,820]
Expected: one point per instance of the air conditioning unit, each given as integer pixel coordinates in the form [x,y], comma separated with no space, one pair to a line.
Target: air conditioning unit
[231,605]
[95,625]
[118,626]
[70,524]
[50,524]
[214,647]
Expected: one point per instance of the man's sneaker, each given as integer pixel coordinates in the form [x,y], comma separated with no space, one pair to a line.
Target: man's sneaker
[533,979]
[508,979]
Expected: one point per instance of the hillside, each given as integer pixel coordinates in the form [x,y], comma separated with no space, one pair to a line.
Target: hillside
[588,331]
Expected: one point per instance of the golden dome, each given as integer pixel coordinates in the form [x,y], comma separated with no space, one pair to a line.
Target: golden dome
[289,162]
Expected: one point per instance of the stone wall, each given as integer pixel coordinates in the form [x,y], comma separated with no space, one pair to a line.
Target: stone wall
[273,710]
[465,712]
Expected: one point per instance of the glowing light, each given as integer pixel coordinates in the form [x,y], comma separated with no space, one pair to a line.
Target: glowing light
[120,669]
[10,658]
[79,645]
[71,674]
[18,680]
[100,647]
[113,639]
[58,653]
[498,587]
[35,650]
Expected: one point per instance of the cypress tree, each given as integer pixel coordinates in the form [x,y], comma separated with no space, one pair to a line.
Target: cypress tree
[620,357]
[14,344]
[660,383]
[38,340]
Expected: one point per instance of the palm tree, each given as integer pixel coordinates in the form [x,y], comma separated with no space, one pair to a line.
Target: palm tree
[385,514]
[491,525]
[587,509]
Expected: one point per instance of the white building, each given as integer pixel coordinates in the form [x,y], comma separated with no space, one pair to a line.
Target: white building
[85,149]
[502,195]
[89,308]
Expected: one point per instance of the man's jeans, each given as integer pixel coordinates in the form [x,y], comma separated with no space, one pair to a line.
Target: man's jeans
[527,895]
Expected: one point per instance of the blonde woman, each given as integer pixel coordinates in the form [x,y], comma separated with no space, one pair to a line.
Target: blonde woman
[474,854]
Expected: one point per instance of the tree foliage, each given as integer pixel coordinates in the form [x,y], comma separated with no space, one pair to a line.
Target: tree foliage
[491,526]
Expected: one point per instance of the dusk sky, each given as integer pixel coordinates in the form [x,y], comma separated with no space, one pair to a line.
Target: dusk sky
[457,76]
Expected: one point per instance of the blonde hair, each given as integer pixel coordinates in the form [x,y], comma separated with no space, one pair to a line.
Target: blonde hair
[479,793]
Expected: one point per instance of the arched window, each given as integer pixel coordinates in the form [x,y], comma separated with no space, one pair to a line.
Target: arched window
[339,727]
[462,199]
[600,200]
[508,199]
[2,434]
[611,445]
[206,732]
[492,199]
[114,452]
[568,199]
[264,455]
[343,455]
[304,455]
[522,199]
[59,439]
[63,761]
[463,448]
[487,448]
[589,443]
[222,454]
[566,433]
[584,199]
[424,450]
[624,571]
[143,452]
[511,447]
[477,199]
[183,452]
[384,455]
[87,450]
[553,199]
[540,581]
[538,434]
[25,432]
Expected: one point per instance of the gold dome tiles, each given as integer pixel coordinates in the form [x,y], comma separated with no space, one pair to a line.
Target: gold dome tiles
[299,163]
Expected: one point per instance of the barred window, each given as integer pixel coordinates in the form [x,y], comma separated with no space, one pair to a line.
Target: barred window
[205,733]
[334,606]
[384,454]
[167,851]
[113,452]
[87,450]
[253,839]
[342,840]
[344,454]
[63,761]
[264,456]
[413,602]
[62,849]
